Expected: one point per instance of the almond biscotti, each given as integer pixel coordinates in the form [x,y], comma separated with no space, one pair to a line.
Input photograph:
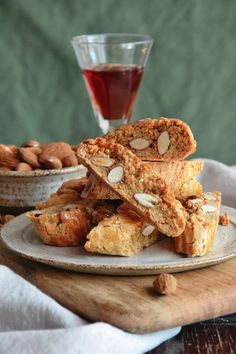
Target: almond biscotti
[122,234]
[202,216]
[124,173]
[179,175]
[68,225]
[160,139]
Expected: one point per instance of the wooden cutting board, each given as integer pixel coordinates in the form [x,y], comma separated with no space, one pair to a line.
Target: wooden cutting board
[130,302]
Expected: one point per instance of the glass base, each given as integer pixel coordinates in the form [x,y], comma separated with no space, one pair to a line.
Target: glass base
[109,125]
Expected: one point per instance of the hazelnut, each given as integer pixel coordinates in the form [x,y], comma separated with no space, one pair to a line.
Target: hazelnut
[165,284]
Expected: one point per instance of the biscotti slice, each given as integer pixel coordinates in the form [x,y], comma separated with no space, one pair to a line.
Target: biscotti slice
[124,173]
[68,193]
[179,175]
[163,139]
[68,225]
[202,215]
[122,234]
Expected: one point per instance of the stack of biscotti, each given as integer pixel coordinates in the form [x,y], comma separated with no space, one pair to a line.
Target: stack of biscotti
[138,188]
[142,165]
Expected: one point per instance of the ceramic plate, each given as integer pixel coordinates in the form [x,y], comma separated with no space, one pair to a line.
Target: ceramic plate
[19,236]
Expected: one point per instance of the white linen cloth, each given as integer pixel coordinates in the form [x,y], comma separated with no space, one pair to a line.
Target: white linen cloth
[31,322]
[217,176]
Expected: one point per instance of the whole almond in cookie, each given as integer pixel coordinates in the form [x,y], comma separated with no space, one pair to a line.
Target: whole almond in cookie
[163,142]
[146,200]
[116,174]
[139,143]
[148,230]
[102,161]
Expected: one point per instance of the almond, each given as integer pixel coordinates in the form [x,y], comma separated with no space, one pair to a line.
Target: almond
[163,142]
[196,201]
[208,208]
[146,200]
[36,150]
[148,230]
[13,148]
[59,150]
[29,157]
[139,143]
[70,161]
[165,284]
[210,196]
[51,163]
[102,161]
[23,167]
[30,143]
[8,158]
[116,174]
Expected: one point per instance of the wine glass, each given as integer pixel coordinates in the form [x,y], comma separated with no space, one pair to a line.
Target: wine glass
[112,66]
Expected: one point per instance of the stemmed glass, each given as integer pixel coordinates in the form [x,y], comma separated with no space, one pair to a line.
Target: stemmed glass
[112,66]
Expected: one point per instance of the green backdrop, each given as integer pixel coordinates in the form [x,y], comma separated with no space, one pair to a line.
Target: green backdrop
[191,72]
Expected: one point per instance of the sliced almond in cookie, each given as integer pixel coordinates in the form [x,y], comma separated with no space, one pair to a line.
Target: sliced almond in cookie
[163,142]
[116,174]
[196,201]
[148,230]
[102,161]
[146,200]
[208,208]
[139,143]
[210,196]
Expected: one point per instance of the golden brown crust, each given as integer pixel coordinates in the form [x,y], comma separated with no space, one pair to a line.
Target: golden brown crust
[76,185]
[182,142]
[68,225]
[201,225]
[121,235]
[68,193]
[166,214]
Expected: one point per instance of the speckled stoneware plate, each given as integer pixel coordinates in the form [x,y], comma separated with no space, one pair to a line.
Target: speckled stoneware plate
[20,237]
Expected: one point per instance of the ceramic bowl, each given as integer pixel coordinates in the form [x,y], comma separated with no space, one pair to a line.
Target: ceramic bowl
[22,190]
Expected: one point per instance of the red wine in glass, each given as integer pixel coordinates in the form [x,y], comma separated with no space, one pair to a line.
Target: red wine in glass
[113,89]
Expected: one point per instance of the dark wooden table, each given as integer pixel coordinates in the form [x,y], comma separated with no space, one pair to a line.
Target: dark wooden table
[216,336]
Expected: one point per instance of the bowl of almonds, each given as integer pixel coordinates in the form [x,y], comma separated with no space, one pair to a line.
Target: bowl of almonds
[29,174]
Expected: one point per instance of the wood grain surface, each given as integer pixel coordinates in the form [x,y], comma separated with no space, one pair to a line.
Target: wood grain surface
[216,336]
[130,302]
